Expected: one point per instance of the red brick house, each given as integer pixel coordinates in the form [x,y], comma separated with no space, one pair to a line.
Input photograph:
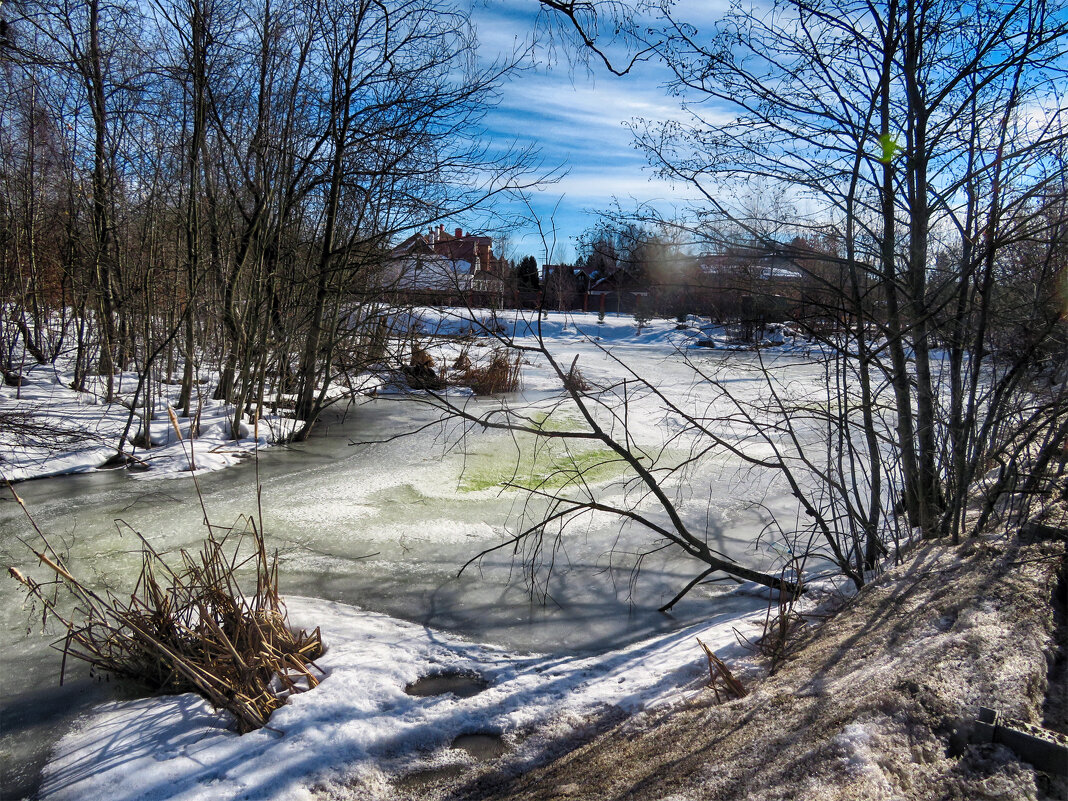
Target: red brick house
[438,267]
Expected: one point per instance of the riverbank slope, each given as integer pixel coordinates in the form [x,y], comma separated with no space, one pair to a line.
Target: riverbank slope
[877,703]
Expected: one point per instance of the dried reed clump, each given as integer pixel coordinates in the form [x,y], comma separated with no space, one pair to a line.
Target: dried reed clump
[419,372]
[463,361]
[190,628]
[574,381]
[500,375]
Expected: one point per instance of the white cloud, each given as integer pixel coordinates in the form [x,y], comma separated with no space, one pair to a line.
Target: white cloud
[594,186]
[579,119]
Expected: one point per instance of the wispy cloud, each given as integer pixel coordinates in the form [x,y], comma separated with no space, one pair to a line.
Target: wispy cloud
[579,119]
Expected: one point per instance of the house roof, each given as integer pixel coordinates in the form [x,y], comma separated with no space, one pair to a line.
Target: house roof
[458,246]
[430,272]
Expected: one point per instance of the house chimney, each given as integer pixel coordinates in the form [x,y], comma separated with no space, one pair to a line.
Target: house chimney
[459,232]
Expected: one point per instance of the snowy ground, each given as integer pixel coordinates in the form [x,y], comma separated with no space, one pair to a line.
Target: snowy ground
[878,704]
[75,432]
[359,729]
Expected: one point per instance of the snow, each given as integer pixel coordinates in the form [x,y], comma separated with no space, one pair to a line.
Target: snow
[90,430]
[860,748]
[360,727]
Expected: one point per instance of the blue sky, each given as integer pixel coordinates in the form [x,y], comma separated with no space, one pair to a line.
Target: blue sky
[577,117]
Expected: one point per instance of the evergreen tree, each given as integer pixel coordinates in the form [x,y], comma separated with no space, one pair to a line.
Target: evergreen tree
[527,275]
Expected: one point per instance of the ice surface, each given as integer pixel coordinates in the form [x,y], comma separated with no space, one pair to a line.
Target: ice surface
[378,533]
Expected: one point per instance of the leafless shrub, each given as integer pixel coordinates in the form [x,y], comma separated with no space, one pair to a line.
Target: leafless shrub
[187,628]
[25,429]
[782,622]
[574,380]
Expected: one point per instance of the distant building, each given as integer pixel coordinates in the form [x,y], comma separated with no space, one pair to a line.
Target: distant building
[564,286]
[582,287]
[442,268]
[620,292]
[582,273]
[757,285]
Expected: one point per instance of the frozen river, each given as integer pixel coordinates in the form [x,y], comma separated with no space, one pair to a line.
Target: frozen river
[385,527]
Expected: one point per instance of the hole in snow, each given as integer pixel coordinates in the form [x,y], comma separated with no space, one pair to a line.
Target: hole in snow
[430,777]
[481,745]
[462,685]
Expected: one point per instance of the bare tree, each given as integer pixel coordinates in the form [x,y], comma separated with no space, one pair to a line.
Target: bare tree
[398,111]
[236,173]
[905,126]
[907,133]
[563,501]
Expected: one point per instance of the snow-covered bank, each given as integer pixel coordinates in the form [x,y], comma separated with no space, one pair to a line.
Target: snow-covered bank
[53,430]
[360,728]
[878,704]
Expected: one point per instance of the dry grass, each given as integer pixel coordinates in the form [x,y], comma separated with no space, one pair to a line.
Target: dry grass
[186,628]
[873,705]
[500,375]
[463,361]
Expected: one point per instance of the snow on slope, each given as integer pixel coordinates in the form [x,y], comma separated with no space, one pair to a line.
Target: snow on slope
[360,727]
[78,432]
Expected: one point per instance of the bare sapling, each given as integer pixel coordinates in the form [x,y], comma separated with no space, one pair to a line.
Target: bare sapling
[782,621]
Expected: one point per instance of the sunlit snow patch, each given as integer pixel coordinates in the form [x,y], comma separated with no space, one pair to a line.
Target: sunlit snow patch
[360,723]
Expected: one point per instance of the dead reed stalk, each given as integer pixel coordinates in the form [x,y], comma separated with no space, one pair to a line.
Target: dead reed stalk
[720,677]
[500,375]
[187,628]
